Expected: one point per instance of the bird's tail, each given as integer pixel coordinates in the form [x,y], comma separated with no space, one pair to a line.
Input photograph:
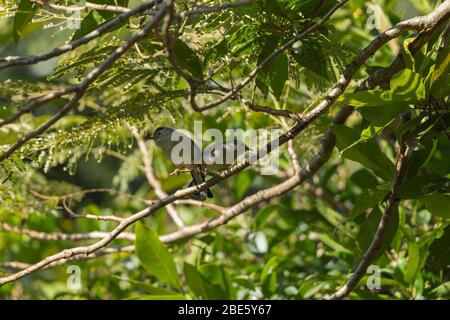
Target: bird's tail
[198,178]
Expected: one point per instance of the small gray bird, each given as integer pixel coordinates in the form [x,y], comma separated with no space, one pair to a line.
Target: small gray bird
[183,152]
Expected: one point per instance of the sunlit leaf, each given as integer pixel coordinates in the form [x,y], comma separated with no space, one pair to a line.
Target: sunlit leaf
[154,256]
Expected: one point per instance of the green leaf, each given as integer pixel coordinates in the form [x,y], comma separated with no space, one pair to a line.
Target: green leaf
[440,69]
[407,84]
[216,52]
[371,98]
[327,240]
[89,23]
[413,264]
[419,158]
[371,131]
[279,76]
[268,276]
[406,127]
[406,87]
[6,111]
[197,282]
[96,18]
[423,130]
[367,154]
[322,60]
[441,88]
[154,256]
[242,183]
[309,288]
[421,186]
[263,215]
[18,162]
[438,204]
[369,228]
[407,55]
[187,59]
[24,15]
[364,179]
[270,285]
[439,256]
[271,72]
[270,267]
[331,215]
[369,198]
[219,281]
[442,291]
[380,117]
[241,39]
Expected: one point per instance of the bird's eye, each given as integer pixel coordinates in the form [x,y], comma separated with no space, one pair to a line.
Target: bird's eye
[158,133]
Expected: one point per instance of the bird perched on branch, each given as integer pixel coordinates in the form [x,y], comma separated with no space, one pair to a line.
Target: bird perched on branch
[183,152]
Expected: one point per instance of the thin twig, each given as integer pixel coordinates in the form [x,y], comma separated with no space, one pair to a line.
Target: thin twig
[40,235]
[276,112]
[294,157]
[85,5]
[14,265]
[35,103]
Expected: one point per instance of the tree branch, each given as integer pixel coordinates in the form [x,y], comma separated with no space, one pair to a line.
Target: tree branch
[85,5]
[40,235]
[377,241]
[35,103]
[275,112]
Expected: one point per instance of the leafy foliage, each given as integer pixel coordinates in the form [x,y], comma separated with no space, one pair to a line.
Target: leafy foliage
[302,244]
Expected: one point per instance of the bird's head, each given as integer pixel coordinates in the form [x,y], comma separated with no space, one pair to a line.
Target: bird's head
[161,134]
